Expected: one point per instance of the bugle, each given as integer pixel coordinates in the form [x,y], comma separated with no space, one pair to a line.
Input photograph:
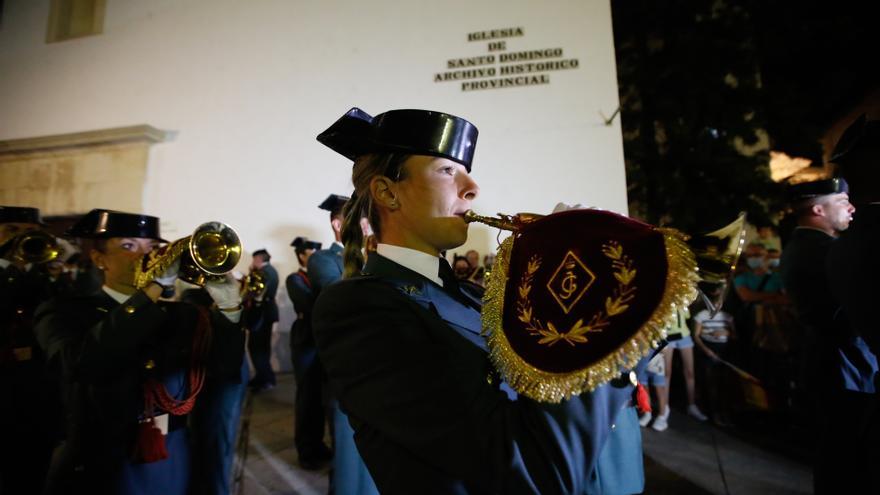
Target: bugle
[209,253]
[34,246]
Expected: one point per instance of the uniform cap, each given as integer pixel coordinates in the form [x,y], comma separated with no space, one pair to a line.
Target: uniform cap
[415,132]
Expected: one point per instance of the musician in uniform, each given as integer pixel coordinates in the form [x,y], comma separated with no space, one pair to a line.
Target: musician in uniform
[823,211]
[853,271]
[261,315]
[309,404]
[132,366]
[348,473]
[28,400]
[402,344]
[325,265]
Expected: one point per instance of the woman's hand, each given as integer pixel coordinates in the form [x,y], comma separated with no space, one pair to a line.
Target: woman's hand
[169,276]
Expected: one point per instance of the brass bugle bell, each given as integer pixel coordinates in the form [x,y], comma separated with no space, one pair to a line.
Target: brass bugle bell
[34,246]
[212,251]
[254,284]
[717,254]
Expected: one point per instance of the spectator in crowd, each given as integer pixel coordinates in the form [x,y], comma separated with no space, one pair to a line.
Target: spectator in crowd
[774,257]
[461,267]
[760,289]
[679,338]
[477,271]
[765,312]
[463,272]
[652,378]
[712,335]
[758,284]
[767,236]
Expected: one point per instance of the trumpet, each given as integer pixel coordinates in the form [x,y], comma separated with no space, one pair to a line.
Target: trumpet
[209,253]
[34,246]
[254,284]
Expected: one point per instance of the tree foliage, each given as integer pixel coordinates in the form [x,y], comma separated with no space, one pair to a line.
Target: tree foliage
[698,113]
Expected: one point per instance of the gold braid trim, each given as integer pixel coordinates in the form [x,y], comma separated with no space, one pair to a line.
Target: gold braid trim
[680,291]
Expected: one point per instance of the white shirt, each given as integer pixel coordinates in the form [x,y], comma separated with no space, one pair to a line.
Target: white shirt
[422,263]
[116,295]
[715,329]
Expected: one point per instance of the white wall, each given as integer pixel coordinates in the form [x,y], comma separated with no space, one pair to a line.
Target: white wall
[248,86]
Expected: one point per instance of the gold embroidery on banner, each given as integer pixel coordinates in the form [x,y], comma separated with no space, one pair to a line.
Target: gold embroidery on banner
[616,304]
[545,386]
[568,293]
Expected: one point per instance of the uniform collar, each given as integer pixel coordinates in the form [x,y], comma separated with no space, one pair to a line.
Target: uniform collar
[806,229]
[422,263]
[115,295]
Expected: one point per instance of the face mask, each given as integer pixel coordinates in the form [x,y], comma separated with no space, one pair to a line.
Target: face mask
[755,262]
[773,263]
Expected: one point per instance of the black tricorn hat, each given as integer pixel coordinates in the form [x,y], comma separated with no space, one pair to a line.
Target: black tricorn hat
[20,214]
[334,203]
[416,132]
[103,224]
[302,243]
[807,190]
[862,132]
[262,252]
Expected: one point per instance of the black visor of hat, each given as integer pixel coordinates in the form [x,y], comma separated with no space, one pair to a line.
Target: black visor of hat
[104,224]
[20,214]
[303,243]
[416,132]
[807,190]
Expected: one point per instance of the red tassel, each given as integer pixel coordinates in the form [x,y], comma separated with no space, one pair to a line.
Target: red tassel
[150,443]
[643,401]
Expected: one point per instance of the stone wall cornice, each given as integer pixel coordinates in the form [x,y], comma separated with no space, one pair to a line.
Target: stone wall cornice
[118,135]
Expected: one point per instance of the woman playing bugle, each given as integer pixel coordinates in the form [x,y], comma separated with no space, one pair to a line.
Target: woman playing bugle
[132,366]
[401,341]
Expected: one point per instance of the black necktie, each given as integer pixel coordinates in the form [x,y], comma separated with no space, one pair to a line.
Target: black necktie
[452,287]
[450,282]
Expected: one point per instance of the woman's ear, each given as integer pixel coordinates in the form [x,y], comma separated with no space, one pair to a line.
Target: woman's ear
[98,259]
[384,191]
